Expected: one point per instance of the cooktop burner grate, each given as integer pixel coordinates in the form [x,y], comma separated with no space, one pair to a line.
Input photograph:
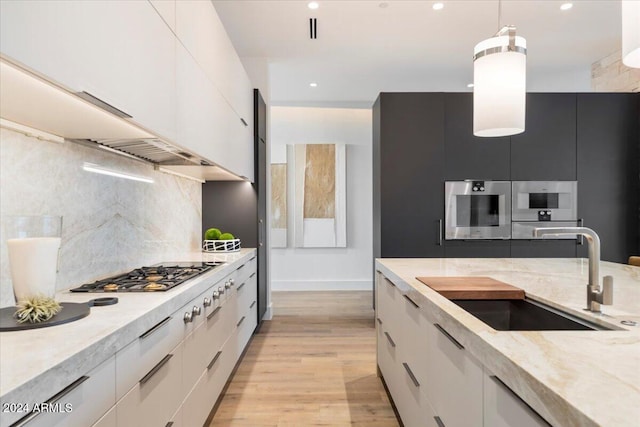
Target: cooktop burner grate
[157,278]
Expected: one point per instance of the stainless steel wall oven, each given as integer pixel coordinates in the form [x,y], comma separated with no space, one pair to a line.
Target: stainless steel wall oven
[543,204]
[476,209]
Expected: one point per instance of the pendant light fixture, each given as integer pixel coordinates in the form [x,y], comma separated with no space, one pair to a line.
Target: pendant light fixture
[631,33]
[499,79]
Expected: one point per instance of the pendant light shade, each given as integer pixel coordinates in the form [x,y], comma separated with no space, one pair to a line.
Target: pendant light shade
[499,91]
[631,33]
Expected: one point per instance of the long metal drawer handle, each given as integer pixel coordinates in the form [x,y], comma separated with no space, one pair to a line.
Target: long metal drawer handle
[379,321]
[411,301]
[156,368]
[214,312]
[390,340]
[439,242]
[413,377]
[512,393]
[241,267]
[446,334]
[155,328]
[62,393]
[389,282]
[169,424]
[252,274]
[439,421]
[241,320]
[214,360]
[252,304]
[240,287]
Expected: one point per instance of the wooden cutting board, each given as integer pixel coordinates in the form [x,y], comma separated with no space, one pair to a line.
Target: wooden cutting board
[464,287]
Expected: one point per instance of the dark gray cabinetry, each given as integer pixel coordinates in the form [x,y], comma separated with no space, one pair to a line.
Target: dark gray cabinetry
[260,135]
[468,156]
[408,174]
[608,144]
[546,151]
[477,249]
[231,207]
[543,248]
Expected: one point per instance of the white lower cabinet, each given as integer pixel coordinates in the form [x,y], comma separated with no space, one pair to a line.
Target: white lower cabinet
[156,397]
[432,378]
[109,419]
[503,408]
[175,371]
[455,380]
[81,403]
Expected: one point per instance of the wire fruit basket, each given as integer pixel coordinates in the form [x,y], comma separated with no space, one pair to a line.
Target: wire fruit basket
[221,245]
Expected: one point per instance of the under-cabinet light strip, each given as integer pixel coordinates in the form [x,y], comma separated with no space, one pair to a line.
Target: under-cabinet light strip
[181,175]
[90,167]
[29,131]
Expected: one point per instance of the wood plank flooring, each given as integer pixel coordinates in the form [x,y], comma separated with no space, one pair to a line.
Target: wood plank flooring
[314,364]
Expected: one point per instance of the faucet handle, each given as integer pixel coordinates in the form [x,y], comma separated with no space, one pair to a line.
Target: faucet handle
[607,290]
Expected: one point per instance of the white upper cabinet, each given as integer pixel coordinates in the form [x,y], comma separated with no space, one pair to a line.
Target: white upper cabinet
[167,10]
[120,52]
[202,34]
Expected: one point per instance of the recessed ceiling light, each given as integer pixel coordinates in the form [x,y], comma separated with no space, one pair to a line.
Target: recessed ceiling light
[313,5]
[470,85]
[438,6]
[566,6]
[383,5]
[313,84]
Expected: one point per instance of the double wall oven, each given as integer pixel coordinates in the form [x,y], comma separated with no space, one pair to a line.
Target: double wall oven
[502,210]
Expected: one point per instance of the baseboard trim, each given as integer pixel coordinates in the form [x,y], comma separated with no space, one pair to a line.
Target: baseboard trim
[321,285]
[268,314]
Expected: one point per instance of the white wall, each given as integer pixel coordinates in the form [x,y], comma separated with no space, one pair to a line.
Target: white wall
[329,268]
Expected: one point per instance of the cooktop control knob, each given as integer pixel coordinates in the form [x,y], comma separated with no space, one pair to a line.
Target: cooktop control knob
[227,285]
[232,282]
[196,310]
[206,302]
[216,295]
[220,290]
[188,317]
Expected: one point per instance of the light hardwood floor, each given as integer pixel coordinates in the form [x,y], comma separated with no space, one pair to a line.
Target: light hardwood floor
[314,364]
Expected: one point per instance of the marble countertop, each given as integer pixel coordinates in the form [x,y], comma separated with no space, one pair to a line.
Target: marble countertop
[571,378]
[37,363]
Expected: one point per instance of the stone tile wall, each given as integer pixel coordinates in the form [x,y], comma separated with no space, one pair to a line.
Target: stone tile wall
[610,75]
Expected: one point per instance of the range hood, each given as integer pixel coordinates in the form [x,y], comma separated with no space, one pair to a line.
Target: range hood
[30,100]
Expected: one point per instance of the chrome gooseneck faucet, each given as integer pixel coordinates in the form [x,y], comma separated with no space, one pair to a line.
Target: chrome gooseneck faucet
[596,295]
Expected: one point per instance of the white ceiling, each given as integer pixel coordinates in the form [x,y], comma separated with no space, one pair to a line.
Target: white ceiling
[363,49]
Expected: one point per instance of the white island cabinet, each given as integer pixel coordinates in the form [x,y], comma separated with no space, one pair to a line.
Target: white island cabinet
[444,366]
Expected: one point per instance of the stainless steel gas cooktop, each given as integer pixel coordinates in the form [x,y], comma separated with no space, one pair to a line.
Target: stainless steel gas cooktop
[160,277]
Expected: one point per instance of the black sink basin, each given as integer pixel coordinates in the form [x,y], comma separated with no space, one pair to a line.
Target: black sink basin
[524,315]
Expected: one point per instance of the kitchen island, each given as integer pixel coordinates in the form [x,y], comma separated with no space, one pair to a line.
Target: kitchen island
[569,378]
[139,335]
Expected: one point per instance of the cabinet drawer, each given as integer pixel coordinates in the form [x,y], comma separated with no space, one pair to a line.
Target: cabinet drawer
[156,397]
[247,324]
[503,408]
[81,403]
[137,358]
[414,340]
[452,371]
[246,293]
[205,393]
[108,420]
[388,304]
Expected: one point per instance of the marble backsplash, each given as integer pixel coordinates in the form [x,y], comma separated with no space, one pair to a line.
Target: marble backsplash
[110,225]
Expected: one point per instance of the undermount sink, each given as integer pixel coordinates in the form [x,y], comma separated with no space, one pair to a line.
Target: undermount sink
[525,315]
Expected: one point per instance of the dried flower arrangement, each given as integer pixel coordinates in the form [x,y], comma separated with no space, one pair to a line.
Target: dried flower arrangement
[36,309]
